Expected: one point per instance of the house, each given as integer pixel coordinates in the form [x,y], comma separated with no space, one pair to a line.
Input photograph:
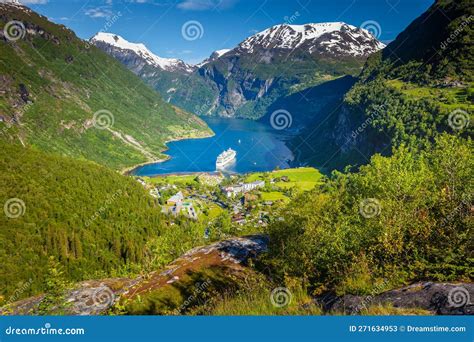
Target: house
[176,205]
[190,211]
[258,184]
[175,199]
[231,191]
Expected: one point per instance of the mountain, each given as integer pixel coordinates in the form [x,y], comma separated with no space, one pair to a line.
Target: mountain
[440,38]
[168,76]
[246,80]
[334,39]
[60,94]
[215,55]
[92,220]
[417,87]
[137,56]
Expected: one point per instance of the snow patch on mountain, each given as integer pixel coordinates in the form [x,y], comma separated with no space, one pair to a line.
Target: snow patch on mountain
[215,55]
[169,64]
[336,37]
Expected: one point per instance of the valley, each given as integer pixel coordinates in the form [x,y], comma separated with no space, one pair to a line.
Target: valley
[259,148]
[351,190]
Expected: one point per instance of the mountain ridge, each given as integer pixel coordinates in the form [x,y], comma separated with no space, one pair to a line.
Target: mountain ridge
[169,64]
[245,80]
[63,95]
[400,97]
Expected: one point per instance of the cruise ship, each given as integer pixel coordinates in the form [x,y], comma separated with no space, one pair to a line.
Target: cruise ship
[225,158]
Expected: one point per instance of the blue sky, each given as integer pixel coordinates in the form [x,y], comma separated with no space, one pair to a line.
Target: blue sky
[219,24]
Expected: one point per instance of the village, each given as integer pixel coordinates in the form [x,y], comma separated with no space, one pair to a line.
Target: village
[244,200]
[207,195]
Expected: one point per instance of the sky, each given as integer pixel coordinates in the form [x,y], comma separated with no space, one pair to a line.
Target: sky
[192,29]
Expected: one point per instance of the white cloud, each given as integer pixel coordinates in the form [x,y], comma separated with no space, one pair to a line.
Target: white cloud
[202,5]
[99,12]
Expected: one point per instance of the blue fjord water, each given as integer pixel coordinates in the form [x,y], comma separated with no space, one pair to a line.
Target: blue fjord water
[259,148]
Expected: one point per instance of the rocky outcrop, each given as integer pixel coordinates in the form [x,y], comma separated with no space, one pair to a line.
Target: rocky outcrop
[438,298]
[95,297]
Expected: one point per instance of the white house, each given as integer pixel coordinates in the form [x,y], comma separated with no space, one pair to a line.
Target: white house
[175,199]
[231,191]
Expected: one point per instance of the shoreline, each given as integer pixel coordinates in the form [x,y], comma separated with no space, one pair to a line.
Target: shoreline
[128,171]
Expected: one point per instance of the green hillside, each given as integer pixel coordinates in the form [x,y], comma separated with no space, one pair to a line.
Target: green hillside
[94,221]
[438,43]
[404,213]
[402,97]
[62,95]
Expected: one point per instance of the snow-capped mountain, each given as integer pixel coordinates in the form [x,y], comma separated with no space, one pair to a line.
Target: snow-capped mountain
[215,55]
[246,80]
[335,38]
[137,54]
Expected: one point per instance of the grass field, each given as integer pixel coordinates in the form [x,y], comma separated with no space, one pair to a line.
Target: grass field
[274,196]
[303,178]
[449,98]
[173,179]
